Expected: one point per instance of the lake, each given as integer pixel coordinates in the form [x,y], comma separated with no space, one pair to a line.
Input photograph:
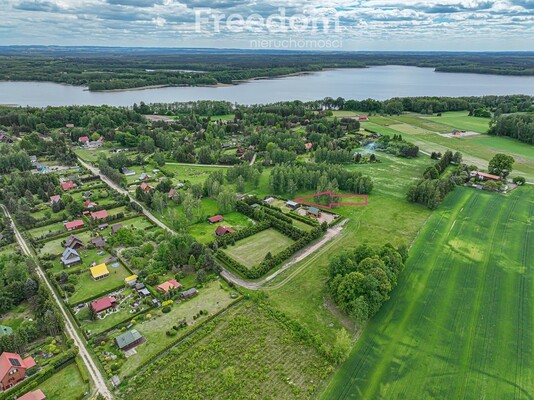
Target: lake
[379,83]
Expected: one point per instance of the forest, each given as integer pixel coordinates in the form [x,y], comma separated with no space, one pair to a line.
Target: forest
[106,69]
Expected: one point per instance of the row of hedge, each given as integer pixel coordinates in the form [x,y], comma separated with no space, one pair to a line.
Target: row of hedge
[33,381]
[269,263]
[302,218]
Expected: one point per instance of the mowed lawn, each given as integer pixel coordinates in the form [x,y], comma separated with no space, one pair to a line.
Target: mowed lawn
[87,287]
[459,325]
[65,384]
[252,250]
[462,121]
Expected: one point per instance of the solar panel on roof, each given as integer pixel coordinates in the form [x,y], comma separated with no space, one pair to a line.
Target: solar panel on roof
[14,362]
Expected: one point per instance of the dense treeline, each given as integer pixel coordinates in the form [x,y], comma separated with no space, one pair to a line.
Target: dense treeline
[18,284]
[292,178]
[517,126]
[105,69]
[432,189]
[397,145]
[360,280]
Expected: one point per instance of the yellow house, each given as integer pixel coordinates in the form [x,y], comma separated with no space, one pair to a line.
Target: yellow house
[99,271]
[131,280]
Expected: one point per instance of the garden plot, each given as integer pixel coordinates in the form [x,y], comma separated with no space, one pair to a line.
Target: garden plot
[252,250]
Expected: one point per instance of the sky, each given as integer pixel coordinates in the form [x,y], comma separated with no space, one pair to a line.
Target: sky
[365,25]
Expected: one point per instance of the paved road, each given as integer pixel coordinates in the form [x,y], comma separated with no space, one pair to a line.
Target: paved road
[94,372]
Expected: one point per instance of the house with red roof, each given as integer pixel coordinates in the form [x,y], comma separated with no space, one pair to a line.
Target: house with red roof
[84,139]
[223,230]
[69,185]
[484,176]
[89,204]
[55,199]
[99,214]
[104,304]
[215,219]
[170,195]
[145,187]
[13,369]
[363,118]
[35,395]
[308,145]
[72,225]
[169,285]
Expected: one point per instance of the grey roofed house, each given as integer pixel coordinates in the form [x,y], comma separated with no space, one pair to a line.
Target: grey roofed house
[255,205]
[73,242]
[70,257]
[102,226]
[188,293]
[33,159]
[98,241]
[115,228]
[268,200]
[313,211]
[127,172]
[129,339]
[292,204]
[144,292]
[139,286]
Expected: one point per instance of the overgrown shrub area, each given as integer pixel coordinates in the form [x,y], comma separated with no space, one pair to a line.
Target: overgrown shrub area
[397,146]
[361,279]
[239,355]
[432,189]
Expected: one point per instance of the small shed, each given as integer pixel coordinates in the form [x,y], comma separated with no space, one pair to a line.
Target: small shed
[313,212]
[292,204]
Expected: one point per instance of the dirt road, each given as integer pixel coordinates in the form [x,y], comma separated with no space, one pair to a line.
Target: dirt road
[94,372]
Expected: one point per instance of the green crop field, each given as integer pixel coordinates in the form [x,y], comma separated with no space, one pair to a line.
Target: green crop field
[244,354]
[462,121]
[459,325]
[253,249]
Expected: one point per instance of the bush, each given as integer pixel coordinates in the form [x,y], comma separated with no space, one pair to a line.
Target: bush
[166,309]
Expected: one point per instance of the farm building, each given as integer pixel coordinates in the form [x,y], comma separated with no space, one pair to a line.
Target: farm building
[98,242]
[35,395]
[68,185]
[5,330]
[169,285]
[13,369]
[104,304]
[73,242]
[55,199]
[292,204]
[130,280]
[223,230]
[313,212]
[484,176]
[129,340]
[99,214]
[70,257]
[186,294]
[215,219]
[72,225]
[99,271]
[115,228]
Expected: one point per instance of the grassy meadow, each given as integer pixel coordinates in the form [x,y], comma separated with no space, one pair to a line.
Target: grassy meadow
[462,312]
